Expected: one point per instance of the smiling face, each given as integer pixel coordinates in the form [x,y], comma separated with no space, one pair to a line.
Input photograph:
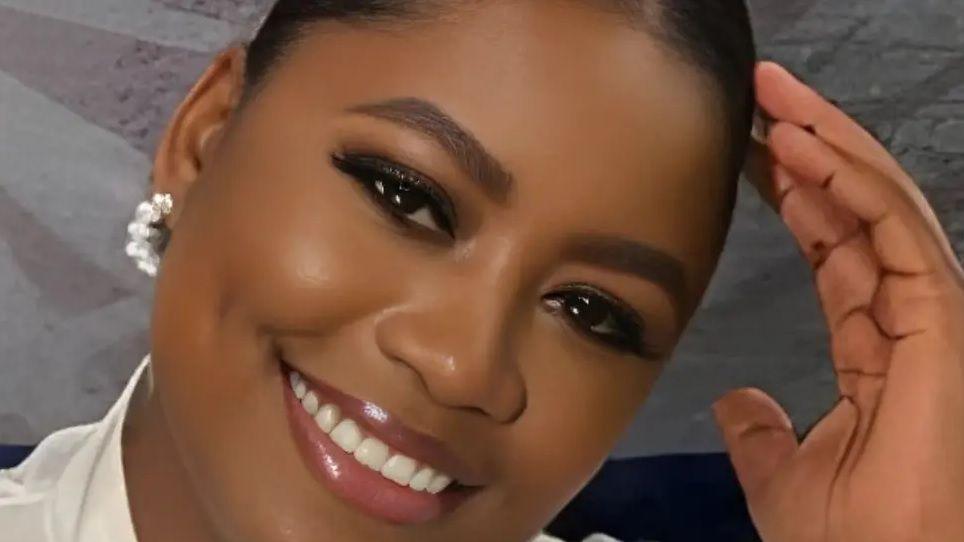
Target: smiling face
[477,239]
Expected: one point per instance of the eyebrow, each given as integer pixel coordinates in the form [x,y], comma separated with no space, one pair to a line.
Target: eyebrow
[643,261]
[429,119]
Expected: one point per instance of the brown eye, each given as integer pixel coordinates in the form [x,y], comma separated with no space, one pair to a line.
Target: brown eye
[401,192]
[600,317]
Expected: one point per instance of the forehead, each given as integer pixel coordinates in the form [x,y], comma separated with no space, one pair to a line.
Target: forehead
[590,115]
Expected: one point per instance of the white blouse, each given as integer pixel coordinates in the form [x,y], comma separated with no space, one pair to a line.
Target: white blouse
[72,488]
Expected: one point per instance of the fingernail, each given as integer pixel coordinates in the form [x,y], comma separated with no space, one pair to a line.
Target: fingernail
[760,128]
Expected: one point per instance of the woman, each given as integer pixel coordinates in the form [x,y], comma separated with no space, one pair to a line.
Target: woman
[422,261]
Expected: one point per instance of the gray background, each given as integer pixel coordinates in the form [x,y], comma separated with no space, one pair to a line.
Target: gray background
[86,85]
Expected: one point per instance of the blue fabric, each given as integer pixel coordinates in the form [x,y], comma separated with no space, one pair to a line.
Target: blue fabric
[675,498]
[11,456]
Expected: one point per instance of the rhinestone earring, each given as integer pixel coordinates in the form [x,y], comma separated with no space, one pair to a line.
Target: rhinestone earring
[146,233]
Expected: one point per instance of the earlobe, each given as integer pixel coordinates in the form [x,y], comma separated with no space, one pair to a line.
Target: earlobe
[196,128]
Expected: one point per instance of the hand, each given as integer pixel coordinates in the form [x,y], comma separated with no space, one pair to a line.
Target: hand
[887,462]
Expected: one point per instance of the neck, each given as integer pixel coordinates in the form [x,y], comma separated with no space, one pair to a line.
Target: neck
[163,504]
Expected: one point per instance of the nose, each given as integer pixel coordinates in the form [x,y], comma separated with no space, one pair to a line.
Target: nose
[455,335]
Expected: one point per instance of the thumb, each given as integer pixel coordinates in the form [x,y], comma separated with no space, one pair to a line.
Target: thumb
[758,435]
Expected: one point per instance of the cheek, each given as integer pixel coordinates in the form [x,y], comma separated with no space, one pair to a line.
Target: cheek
[306,258]
[579,405]
[303,252]
[298,246]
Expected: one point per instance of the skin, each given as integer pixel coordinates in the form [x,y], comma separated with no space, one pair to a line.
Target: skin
[274,248]
[885,464]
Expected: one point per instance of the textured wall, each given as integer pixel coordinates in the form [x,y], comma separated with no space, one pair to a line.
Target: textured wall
[86,85]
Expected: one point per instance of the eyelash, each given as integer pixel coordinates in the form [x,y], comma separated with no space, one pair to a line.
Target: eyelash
[394,186]
[626,329]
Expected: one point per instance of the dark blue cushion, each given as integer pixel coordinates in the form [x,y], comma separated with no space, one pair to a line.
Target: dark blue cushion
[675,498]
[11,456]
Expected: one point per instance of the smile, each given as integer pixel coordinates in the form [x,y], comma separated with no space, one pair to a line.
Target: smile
[368,458]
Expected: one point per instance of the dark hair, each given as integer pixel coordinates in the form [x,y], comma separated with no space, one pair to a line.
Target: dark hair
[713,35]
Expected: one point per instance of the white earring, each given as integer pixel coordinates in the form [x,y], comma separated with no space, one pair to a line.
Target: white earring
[144,233]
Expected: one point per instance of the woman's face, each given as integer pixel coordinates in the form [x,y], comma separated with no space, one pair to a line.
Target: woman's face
[479,237]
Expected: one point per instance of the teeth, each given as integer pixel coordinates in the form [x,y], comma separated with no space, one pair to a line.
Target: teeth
[300,388]
[328,417]
[422,478]
[310,402]
[372,453]
[368,451]
[438,483]
[399,469]
[347,435]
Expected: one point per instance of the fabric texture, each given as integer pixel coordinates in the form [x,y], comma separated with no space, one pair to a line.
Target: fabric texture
[71,488]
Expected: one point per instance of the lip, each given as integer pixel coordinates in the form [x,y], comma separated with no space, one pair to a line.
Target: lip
[357,484]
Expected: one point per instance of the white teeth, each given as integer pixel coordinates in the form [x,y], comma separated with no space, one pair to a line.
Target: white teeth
[300,388]
[347,435]
[328,417]
[310,402]
[399,469]
[422,478]
[372,453]
[438,483]
[368,451]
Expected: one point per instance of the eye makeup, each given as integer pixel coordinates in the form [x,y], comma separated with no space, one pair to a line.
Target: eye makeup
[420,205]
[411,198]
[601,317]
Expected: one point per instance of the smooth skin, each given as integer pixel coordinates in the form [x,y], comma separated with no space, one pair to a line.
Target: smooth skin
[273,251]
[886,464]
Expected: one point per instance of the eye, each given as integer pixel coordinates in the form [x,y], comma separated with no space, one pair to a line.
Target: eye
[404,193]
[600,317]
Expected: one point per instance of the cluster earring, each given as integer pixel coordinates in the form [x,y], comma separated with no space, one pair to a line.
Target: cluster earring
[146,233]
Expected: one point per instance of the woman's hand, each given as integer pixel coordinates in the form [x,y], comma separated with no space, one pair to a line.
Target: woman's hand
[887,462]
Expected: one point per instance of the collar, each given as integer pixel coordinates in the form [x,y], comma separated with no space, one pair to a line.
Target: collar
[89,501]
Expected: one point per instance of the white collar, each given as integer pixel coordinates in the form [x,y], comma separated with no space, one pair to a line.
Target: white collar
[89,502]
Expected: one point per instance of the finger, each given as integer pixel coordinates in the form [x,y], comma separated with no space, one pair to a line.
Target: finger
[801,486]
[901,237]
[847,276]
[758,435]
[907,305]
[785,98]
[818,224]
[847,283]
[834,242]
[847,280]
[860,349]
[827,443]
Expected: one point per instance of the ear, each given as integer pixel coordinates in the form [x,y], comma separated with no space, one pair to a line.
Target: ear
[196,129]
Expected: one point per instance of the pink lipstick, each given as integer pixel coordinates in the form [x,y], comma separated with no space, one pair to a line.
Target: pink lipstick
[369,458]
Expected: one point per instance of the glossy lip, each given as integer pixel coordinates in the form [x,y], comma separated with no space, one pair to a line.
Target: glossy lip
[359,485]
